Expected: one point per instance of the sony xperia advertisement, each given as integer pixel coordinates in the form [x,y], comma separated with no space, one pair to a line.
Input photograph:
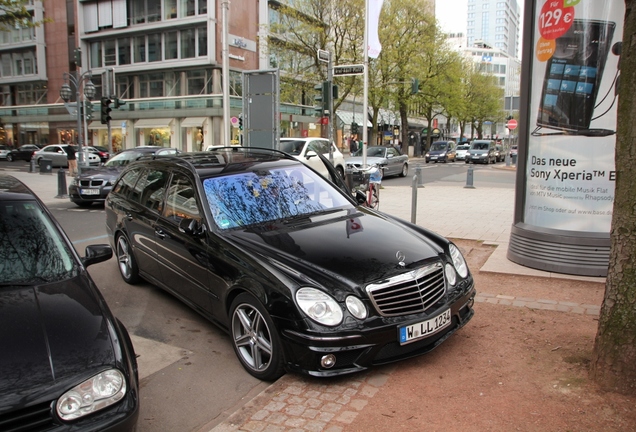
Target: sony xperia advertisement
[575,72]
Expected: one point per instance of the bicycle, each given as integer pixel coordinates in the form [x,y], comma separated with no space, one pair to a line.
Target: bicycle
[367,181]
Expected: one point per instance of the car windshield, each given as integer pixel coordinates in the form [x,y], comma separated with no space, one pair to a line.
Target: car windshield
[123,159]
[376,151]
[31,248]
[480,146]
[293,147]
[463,147]
[438,146]
[253,198]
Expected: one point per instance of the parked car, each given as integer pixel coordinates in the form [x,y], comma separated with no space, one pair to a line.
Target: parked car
[441,151]
[24,152]
[514,150]
[94,184]
[462,151]
[500,153]
[390,160]
[67,363]
[56,153]
[482,151]
[301,277]
[4,151]
[102,152]
[305,150]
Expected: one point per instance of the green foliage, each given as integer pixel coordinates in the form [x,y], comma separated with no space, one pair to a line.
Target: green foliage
[14,13]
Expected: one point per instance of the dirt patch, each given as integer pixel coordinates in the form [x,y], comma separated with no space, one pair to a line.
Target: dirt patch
[511,368]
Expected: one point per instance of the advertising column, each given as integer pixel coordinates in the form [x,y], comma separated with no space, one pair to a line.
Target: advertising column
[565,197]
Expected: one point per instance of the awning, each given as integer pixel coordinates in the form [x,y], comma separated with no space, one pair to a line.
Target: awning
[347,118]
[153,123]
[193,121]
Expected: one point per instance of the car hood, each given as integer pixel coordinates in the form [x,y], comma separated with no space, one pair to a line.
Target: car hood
[353,249]
[51,335]
[357,160]
[103,172]
[437,152]
[478,151]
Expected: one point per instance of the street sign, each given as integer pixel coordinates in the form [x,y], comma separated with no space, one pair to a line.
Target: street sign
[324,56]
[512,124]
[345,70]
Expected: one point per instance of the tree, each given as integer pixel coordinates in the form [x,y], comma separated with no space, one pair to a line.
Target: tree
[14,13]
[613,364]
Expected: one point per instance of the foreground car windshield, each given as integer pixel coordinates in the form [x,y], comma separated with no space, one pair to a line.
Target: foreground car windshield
[252,198]
[123,159]
[31,249]
[375,151]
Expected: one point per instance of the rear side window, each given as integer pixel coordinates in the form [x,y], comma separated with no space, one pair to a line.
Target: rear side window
[181,200]
[126,183]
[151,189]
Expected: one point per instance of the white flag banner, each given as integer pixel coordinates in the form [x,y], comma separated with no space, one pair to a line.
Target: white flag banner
[373,19]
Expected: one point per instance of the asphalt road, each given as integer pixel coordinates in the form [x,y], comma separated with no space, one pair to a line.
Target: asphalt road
[190,377]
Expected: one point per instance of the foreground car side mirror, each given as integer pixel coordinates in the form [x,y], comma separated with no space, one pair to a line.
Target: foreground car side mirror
[361,197]
[96,253]
[191,227]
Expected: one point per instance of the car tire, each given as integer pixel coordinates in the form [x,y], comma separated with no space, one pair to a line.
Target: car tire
[405,170]
[126,261]
[9,158]
[340,171]
[255,339]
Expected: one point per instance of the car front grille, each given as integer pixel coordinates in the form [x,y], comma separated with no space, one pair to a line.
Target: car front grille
[409,293]
[91,183]
[34,418]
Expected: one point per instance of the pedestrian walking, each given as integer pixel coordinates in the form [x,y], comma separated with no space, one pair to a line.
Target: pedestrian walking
[353,145]
[72,160]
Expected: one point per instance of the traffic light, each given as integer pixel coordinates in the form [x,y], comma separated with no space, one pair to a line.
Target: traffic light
[241,121]
[354,128]
[105,110]
[119,102]
[322,98]
[88,110]
[415,86]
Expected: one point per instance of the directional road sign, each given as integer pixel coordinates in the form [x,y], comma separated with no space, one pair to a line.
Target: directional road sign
[345,70]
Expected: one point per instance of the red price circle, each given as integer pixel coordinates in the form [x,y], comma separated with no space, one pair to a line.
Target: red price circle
[554,19]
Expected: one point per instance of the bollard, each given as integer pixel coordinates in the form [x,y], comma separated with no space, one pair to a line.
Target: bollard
[469,177]
[61,184]
[508,159]
[414,198]
[32,168]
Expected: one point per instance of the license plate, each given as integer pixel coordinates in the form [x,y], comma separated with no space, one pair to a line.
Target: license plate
[89,191]
[433,157]
[426,328]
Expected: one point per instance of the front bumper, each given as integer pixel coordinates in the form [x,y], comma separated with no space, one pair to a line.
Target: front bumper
[76,195]
[357,351]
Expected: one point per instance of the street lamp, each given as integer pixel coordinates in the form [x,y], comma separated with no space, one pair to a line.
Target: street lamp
[83,81]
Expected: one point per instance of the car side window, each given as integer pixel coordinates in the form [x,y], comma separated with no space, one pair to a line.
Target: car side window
[319,147]
[127,182]
[152,189]
[181,200]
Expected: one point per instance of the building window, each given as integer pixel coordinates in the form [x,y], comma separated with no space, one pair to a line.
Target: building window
[140,49]
[151,85]
[187,7]
[110,56]
[123,45]
[170,8]
[172,49]
[202,34]
[154,47]
[187,47]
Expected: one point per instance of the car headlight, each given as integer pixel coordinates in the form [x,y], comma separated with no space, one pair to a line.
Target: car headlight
[319,306]
[94,394]
[74,181]
[356,307]
[427,155]
[451,276]
[458,261]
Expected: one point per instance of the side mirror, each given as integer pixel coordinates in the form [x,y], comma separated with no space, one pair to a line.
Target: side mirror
[310,154]
[190,227]
[96,253]
[361,197]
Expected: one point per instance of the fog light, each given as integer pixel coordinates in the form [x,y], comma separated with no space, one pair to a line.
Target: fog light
[328,361]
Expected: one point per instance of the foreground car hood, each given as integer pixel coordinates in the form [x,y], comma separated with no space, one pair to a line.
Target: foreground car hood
[48,334]
[354,250]
[107,173]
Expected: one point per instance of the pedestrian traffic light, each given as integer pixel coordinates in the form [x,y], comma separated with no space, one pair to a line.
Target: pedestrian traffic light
[88,110]
[105,110]
[415,86]
[241,121]
[354,128]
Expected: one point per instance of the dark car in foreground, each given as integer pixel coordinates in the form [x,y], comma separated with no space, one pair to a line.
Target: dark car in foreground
[284,260]
[482,151]
[24,152]
[390,160]
[67,364]
[94,184]
[441,151]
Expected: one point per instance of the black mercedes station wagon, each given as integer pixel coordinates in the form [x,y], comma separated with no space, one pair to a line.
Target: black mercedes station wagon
[66,363]
[301,277]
